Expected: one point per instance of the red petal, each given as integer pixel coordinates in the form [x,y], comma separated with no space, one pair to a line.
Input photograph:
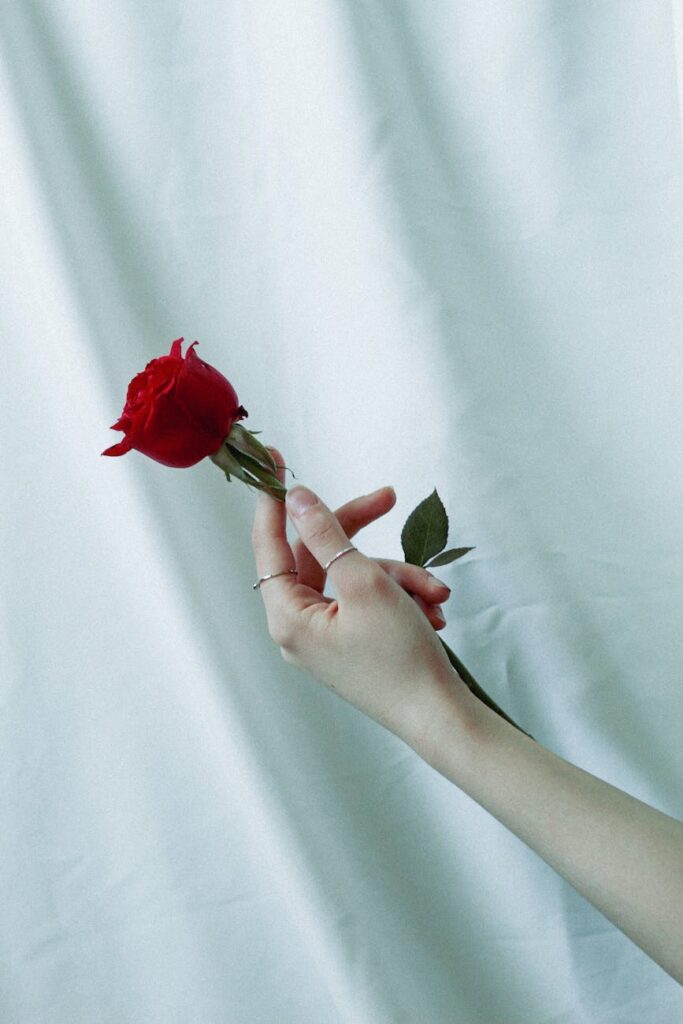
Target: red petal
[118,449]
[177,348]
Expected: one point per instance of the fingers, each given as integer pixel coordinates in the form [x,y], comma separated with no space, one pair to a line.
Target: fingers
[425,590]
[358,512]
[432,611]
[416,580]
[269,537]
[283,596]
[319,541]
[272,550]
[324,537]
[353,516]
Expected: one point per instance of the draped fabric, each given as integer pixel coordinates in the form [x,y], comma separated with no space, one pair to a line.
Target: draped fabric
[433,244]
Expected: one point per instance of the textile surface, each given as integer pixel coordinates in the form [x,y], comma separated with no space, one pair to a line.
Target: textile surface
[434,245]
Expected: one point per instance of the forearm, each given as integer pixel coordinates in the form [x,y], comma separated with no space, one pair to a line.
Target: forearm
[622,855]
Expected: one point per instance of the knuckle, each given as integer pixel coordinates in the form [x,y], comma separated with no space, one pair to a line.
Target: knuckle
[385,564]
[373,581]
[379,579]
[323,530]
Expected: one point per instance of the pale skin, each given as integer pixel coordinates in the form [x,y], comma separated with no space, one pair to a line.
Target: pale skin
[376,646]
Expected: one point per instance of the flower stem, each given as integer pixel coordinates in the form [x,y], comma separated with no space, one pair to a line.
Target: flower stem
[474,687]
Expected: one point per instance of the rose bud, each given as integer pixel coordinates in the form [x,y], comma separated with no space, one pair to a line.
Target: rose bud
[179,410]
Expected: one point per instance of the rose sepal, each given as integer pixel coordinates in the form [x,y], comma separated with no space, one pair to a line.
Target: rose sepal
[242,456]
[242,439]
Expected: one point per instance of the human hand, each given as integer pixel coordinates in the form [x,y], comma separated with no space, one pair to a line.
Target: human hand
[376,644]
[426,590]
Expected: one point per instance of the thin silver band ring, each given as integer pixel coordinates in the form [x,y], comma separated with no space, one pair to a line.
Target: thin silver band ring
[284,572]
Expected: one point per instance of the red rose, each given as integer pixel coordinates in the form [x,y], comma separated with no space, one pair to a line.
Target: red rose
[178,410]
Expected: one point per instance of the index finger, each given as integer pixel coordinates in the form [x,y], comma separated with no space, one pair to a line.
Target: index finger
[272,550]
[274,554]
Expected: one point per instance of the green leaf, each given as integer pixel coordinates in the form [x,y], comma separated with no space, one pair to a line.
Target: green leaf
[447,556]
[425,531]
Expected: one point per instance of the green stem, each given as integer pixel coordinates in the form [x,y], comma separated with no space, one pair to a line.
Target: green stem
[474,687]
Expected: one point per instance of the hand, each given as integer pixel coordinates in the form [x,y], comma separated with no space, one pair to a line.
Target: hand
[374,645]
[427,592]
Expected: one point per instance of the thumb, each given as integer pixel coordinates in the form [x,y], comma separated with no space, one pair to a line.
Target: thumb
[324,536]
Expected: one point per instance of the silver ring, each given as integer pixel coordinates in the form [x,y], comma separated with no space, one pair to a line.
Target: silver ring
[284,572]
[270,576]
[338,555]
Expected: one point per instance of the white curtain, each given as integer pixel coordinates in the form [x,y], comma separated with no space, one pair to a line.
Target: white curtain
[434,243]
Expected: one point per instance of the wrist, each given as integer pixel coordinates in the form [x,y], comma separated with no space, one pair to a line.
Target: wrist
[452,725]
[468,740]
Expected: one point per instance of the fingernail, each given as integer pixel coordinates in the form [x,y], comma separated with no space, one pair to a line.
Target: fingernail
[300,498]
[440,618]
[440,583]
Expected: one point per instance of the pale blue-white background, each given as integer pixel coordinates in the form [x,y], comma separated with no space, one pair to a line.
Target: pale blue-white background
[432,244]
